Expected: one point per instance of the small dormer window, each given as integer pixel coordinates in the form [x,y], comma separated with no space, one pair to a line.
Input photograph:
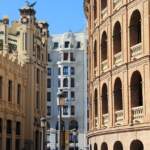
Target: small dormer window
[56,44]
[67,44]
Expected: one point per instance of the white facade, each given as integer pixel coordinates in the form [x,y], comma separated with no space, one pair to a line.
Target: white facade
[67,70]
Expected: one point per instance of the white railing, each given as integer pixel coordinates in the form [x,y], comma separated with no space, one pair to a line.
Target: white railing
[105,120]
[96,122]
[119,116]
[137,113]
[136,50]
[116,2]
[118,58]
[104,13]
[104,65]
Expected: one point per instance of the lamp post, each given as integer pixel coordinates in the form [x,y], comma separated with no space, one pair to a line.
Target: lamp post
[43,126]
[60,104]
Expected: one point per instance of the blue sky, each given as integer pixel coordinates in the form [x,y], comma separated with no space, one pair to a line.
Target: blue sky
[62,15]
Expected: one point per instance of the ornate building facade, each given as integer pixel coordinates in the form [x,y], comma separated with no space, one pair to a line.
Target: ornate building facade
[67,71]
[23,55]
[118,74]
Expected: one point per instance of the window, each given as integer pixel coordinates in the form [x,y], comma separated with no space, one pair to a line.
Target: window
[72,58]
[9,90]
[48,83]
[1,44]
[72,94]
[56,44]
[96,103]
[18,93]
[49,57]
[103,4]
[38,76]
[18,128]
[37,99]
[49,71]
[65,70]
[17,144]
[78,44]
[38,52]
[66,94]
[1,87]
[48,96]
[65,82]
[65,56]
[59,83]
[95,53]
[67,44]
[72,82]
[104,47]
[59,71]
[72,70]
[9,126]
[65,110]
[95,9]
[8,144]
[72,110]
[1,125]
[49,110]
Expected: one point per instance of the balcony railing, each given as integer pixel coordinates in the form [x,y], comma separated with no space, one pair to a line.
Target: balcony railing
[104,13]
[105,120]
[96,122]
[104,65]
[137,114]
[136,50]
[119,117]
[118,58]
[116,3]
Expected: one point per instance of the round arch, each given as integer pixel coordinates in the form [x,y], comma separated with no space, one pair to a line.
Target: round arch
[136,145]
[118,146]
[104,146]
[104,99]
[104,46]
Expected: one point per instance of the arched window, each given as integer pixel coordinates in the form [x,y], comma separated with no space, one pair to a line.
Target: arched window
[96,102]
[104,99]
[117,38]
[135,28]
[118,146]
[104,46]
[104,146]
[118,95]
[73,124]
[136,145]
[95,9]
[136,90]
[95,53]
[103,4]
[65,82]
[95,147]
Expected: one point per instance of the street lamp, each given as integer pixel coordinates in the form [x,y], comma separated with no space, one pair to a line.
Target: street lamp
[43,126]
[60,104]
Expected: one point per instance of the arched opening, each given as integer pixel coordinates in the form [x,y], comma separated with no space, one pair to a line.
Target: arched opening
[96,102]
[103,4]
[104,46]
[95,53]
[117,38]
[135,28]
[136,145]
[118,146]
[136,90]
[118,95]
[73,127]
[95,9]
[104,146]
[104,99]
[95,147]
[90,147]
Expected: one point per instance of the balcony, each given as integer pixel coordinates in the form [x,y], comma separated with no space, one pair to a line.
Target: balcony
[105,120]
[136,51]
[104,13]
[116,3]
[118,58]
[137,114]
[104,65]
[119,117]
